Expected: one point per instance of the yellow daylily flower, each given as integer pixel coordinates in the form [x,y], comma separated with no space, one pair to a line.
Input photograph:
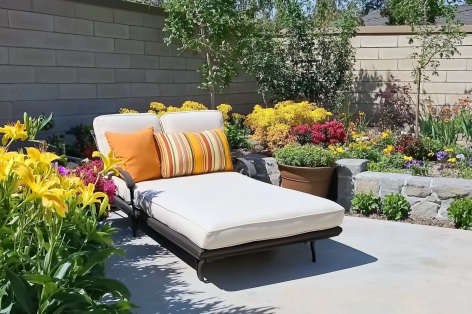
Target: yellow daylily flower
[34,155]
[14,132]
[407,158]
[41,188]
[6,168]
[87,196]
[110,163]
[6,155]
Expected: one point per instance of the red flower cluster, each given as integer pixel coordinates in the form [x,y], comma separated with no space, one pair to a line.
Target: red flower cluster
[329,133]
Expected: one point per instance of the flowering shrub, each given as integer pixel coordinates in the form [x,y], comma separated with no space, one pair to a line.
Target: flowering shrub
[52,246]
[90,173]
[414,147]
[329,133]
[272,127]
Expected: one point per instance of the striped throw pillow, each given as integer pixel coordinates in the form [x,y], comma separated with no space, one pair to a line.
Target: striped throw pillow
[193,153]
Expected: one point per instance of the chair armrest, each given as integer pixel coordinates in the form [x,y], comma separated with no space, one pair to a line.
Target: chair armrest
[245,167]
[128,180]
[75,160]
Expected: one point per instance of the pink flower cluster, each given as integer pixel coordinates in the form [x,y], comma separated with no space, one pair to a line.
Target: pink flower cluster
[89,174]
[329,133]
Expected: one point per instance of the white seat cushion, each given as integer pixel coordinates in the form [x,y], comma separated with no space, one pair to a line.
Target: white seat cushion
[219,210]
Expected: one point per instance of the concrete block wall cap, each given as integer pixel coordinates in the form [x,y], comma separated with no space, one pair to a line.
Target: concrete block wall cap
[418,186]
[369,175]
[351,162]
[392,183]
[447,188]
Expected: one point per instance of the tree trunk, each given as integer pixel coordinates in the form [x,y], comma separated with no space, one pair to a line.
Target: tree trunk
[418,97]
[212,88]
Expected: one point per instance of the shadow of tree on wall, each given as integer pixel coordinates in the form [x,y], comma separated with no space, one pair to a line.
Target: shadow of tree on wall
[366,86]
[154,277]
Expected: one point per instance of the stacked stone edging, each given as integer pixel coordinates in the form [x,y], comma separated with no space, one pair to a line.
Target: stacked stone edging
[429,197]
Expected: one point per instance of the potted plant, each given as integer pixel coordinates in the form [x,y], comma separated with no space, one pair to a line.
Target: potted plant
[307,168]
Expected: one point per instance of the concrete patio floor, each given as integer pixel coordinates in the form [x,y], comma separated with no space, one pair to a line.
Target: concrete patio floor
[374,267]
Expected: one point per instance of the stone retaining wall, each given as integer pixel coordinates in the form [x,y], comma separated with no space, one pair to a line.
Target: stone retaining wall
[429,197]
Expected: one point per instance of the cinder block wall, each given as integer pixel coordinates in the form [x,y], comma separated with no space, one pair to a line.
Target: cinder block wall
[381,53]
[83,58]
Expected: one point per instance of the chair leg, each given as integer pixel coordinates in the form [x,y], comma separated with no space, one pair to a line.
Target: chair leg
[134,223]
[199,266]
[313,251]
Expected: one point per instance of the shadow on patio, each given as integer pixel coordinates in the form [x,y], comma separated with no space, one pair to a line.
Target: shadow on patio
[156,278]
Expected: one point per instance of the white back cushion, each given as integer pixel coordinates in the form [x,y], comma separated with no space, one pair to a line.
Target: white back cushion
[191,121]
[122,123]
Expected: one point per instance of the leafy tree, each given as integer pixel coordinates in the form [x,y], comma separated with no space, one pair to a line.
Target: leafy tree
[432,42]
[211,29]
[304,52]
[406,12]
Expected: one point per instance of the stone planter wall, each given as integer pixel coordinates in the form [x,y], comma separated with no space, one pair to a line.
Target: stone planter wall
[429,197]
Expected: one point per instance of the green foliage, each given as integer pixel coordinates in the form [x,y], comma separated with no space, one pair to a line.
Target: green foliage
[34,125]
[305,156]
[213,29]
[237,134]
[57,266]
[432,145]
[393,163]
[460,212]
[83,139]
[420,171]
[366,204]
[464,123]
[395,207]
[438,129]
[304,53]
[406,12]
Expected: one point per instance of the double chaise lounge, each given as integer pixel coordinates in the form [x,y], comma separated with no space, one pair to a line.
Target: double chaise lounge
[215,215]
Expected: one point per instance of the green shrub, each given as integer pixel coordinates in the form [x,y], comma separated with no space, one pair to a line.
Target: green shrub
[395,207]
[460,212]
[366,204]
[305,156]
[237,134]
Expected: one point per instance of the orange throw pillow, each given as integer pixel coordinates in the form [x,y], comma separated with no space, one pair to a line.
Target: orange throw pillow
[139,151]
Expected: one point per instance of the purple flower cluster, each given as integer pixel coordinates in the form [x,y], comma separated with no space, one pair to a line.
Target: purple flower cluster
[61,170]
[441,155]
[414,162]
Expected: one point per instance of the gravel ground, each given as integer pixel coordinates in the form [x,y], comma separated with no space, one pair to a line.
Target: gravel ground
[414,221]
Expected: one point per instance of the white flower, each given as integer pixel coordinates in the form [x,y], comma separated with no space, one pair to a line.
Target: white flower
[460,156]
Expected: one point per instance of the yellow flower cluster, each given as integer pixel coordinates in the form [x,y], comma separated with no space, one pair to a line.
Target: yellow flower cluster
[407,158]
[225,109]
[161,109]
[271,126]
[33,178]
[124,110]
[360,146]
[388,151]
[386,134]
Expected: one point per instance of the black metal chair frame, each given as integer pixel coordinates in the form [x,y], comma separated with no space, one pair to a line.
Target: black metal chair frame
[202,256]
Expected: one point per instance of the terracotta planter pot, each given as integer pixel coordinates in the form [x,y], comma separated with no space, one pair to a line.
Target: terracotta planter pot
[314,181]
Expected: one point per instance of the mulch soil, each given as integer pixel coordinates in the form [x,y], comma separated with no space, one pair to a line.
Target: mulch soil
[415,221]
